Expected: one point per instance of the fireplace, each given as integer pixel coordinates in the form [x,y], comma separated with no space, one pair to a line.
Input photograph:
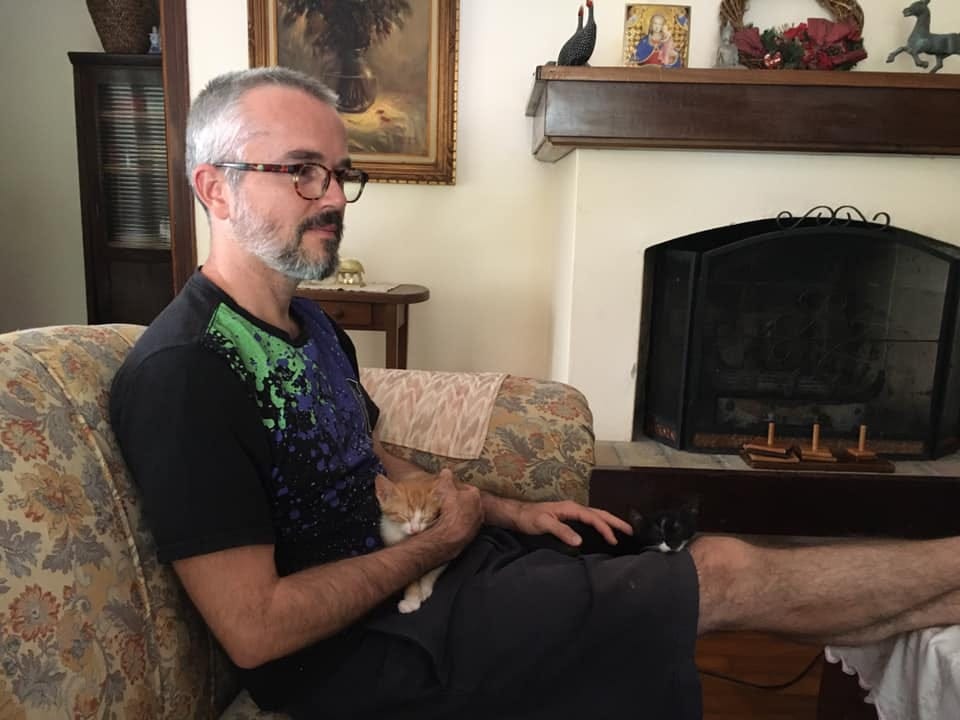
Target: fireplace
[837,321]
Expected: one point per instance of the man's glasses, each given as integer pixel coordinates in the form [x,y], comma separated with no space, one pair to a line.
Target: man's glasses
[310,180]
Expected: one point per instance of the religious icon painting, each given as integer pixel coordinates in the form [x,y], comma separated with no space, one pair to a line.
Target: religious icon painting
[656,35]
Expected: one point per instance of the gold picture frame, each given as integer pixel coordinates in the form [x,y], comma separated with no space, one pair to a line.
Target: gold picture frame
[398,92]
[656,35]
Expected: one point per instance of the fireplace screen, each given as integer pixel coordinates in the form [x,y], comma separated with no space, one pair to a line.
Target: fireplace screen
[843,324]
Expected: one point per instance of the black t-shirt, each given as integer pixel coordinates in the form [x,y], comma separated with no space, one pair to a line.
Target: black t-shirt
[236,435]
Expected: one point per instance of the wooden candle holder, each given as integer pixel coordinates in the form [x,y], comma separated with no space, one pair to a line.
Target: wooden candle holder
[814,452]
[860,452]
[772,451]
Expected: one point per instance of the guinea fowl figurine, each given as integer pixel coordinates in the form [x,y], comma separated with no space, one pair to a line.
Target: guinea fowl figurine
[578,49]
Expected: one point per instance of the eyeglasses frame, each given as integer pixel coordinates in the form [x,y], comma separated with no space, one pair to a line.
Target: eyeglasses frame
[296,169]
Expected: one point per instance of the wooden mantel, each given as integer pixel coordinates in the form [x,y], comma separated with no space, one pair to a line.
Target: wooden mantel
[790,110]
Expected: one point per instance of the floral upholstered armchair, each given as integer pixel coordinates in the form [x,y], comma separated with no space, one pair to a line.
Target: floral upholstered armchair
[91,625]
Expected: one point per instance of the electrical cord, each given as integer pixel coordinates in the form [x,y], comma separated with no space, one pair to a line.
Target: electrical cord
[759,686]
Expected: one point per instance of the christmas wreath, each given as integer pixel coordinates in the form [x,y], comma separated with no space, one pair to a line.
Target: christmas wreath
[818,44]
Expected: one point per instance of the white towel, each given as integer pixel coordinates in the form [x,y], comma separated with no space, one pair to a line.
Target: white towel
[913,676]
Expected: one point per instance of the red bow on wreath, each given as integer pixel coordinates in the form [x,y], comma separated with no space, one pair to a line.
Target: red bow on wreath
[817,44]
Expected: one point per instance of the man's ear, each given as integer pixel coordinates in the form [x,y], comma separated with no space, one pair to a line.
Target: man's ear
[213,190]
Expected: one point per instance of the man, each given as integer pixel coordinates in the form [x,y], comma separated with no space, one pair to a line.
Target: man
[243,423]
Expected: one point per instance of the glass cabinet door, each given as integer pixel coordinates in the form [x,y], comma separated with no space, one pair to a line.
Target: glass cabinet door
[133,164]
[122,163]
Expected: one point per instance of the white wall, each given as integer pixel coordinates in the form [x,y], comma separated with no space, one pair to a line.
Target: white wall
[41,254]
[214,31]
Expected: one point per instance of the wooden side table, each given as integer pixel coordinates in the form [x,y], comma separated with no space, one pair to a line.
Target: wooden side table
[383,311]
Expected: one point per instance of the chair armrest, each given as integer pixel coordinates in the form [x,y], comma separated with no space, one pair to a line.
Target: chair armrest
[539,444]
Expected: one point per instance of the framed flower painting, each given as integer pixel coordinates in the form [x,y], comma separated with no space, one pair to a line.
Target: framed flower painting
[393,65]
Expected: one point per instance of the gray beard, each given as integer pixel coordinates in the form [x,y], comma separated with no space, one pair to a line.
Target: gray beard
[261,238]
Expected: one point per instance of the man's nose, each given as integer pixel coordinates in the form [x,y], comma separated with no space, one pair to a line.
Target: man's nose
[334,195]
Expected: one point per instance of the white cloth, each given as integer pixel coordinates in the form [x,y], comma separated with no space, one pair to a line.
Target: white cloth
[913,676]
[444,413]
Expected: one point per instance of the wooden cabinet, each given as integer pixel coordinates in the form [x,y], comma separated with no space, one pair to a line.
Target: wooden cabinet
[122,158]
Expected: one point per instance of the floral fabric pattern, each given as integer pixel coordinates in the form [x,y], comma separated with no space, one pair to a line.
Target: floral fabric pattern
[91,625]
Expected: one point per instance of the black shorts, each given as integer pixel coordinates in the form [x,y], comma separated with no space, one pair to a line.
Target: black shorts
[523,628]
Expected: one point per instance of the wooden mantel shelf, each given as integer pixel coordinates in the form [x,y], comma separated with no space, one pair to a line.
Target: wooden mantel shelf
[789,110]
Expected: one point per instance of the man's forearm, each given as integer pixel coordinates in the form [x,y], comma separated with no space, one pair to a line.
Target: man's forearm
[499,511]
[321,601]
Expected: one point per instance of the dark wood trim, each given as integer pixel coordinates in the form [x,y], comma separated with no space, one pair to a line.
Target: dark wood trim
[176,89]
[125,59]
[753,78]
[784,110]
[90,212]
[779,502]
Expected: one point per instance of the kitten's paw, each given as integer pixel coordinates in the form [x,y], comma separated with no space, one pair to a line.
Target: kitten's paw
[408,605]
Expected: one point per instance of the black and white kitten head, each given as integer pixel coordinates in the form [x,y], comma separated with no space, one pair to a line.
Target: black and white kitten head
[665,530]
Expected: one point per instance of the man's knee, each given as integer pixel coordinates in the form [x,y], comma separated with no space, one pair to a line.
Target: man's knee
[726,570]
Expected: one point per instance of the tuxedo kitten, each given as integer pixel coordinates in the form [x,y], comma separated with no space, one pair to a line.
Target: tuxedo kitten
[666,530]
[409,507]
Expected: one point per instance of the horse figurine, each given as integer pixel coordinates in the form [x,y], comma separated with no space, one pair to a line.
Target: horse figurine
[921,40]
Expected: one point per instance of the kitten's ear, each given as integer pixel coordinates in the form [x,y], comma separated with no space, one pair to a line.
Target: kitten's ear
[635,517]
[385,488]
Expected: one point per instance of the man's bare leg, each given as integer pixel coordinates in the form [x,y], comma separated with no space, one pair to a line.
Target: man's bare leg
[824,591]
[944,610]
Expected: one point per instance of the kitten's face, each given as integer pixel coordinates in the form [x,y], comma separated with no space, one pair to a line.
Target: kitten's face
[666,530]
[412,505]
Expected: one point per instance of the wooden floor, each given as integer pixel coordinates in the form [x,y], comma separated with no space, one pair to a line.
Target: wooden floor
[750,657]
[761,660]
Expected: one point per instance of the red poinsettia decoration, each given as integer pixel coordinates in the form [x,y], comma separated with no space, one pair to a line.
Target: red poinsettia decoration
[817,44]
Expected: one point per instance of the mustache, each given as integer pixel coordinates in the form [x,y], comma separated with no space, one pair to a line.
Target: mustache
[321,220]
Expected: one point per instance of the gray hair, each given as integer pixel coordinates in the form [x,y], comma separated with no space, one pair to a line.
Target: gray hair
[216,131]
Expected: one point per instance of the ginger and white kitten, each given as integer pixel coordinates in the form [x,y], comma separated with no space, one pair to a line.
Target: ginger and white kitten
[409,507]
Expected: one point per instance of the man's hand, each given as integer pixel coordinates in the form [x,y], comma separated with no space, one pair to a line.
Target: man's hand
[461,514]
[549,517]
